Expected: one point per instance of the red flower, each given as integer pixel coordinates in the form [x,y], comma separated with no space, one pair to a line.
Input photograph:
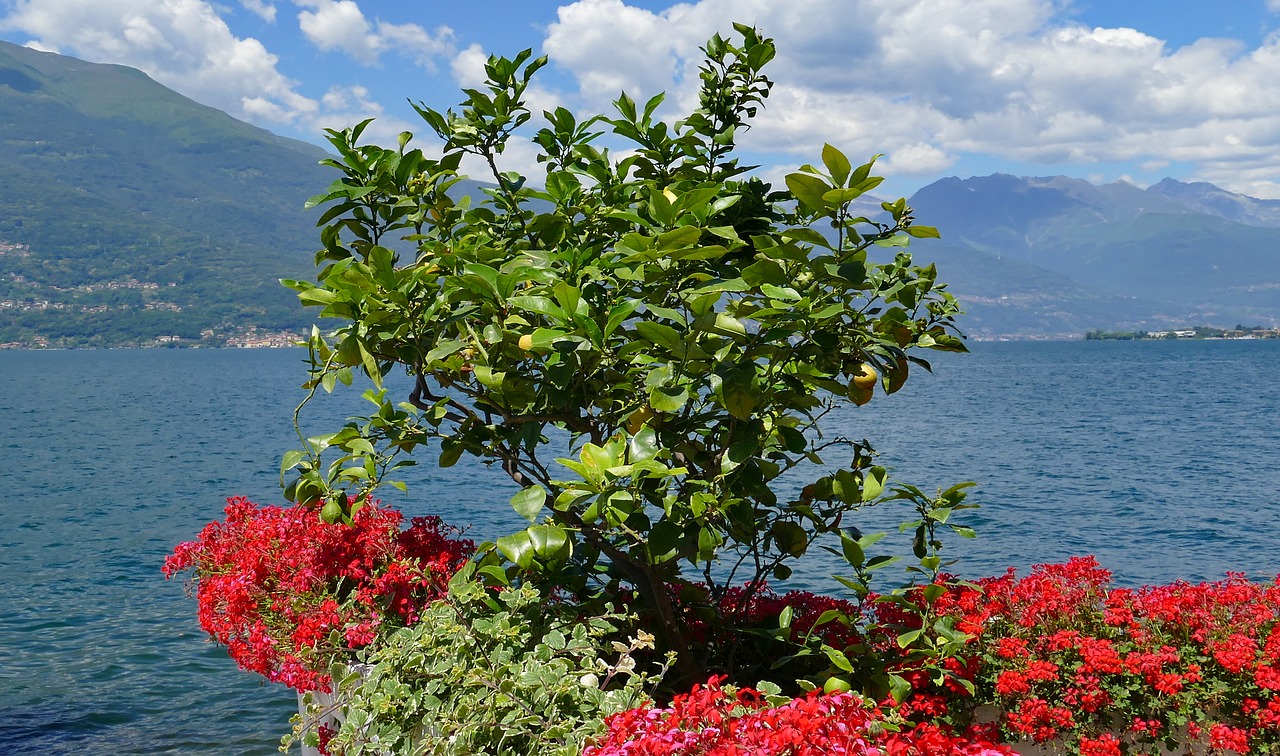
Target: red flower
[1103,745]
[1225,737]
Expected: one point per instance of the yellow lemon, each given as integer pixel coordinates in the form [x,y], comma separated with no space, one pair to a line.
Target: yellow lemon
[866,378]
[638,419]
[526,343]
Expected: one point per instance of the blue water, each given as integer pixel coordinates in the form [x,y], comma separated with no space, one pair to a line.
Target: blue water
[1158,457]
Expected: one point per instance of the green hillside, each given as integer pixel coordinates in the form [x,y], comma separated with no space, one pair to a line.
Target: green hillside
[133,213]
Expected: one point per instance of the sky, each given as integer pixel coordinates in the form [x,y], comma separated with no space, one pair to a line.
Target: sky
[1104,90]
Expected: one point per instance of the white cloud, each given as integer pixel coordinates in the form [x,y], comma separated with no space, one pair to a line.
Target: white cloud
[468,66]
[263,10]
[341,25]
[185,45]
[926,80]
[916,159]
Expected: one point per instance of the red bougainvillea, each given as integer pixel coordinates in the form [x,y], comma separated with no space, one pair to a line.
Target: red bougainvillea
[287,593]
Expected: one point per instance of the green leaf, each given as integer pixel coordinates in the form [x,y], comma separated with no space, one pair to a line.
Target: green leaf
[790,538]
[316,296]
[664,539]
[838,658]
[679,238]
[853,553]
[489,377]
[740,399]
[669,399]
[837,164]
[644,445]
[837,197]
[517,548]
[845,485]
[290,460]
[708,542]
[450,452]
[808,190]
[898,240]
[442,350]
[660,335]
[873,481]
[550,542]
[899,688]
[807,235]
[539,306]
[529,502]
[924,232]
[765,271]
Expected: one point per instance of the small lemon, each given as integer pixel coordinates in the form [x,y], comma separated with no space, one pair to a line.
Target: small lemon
[639,419]
[866,377]
[526,343]
[836,685]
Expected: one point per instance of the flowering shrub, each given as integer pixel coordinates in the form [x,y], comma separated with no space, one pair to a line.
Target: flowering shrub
[1063,654]
[287,593]
[713,720]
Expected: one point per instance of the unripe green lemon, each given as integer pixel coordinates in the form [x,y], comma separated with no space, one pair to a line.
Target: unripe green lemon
[836,685]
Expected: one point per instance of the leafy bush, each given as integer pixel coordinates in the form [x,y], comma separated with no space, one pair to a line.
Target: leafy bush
[506,673]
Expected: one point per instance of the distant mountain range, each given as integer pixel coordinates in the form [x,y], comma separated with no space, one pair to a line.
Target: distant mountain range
[1057,256]
[133,215]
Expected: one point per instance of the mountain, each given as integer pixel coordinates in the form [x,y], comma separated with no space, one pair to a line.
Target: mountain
[132,213]
[1068,256]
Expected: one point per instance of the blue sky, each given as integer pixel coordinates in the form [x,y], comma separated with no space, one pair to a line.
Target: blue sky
[1098,89]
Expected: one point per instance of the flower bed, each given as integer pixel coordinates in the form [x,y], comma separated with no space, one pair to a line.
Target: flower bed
[1064,654]
[1059,659]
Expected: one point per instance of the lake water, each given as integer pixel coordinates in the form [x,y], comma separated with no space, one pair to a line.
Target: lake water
[1158,457]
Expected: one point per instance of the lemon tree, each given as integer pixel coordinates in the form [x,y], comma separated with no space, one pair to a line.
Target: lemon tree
[680,328]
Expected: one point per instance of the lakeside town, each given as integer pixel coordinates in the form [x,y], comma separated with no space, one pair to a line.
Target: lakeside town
[1239,333]
[243,338]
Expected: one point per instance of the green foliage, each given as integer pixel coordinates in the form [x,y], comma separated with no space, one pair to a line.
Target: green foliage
[922,641]
[677,330]
[485,673]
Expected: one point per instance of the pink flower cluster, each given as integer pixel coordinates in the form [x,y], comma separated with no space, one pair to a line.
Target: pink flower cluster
[714,721]
[287,593]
